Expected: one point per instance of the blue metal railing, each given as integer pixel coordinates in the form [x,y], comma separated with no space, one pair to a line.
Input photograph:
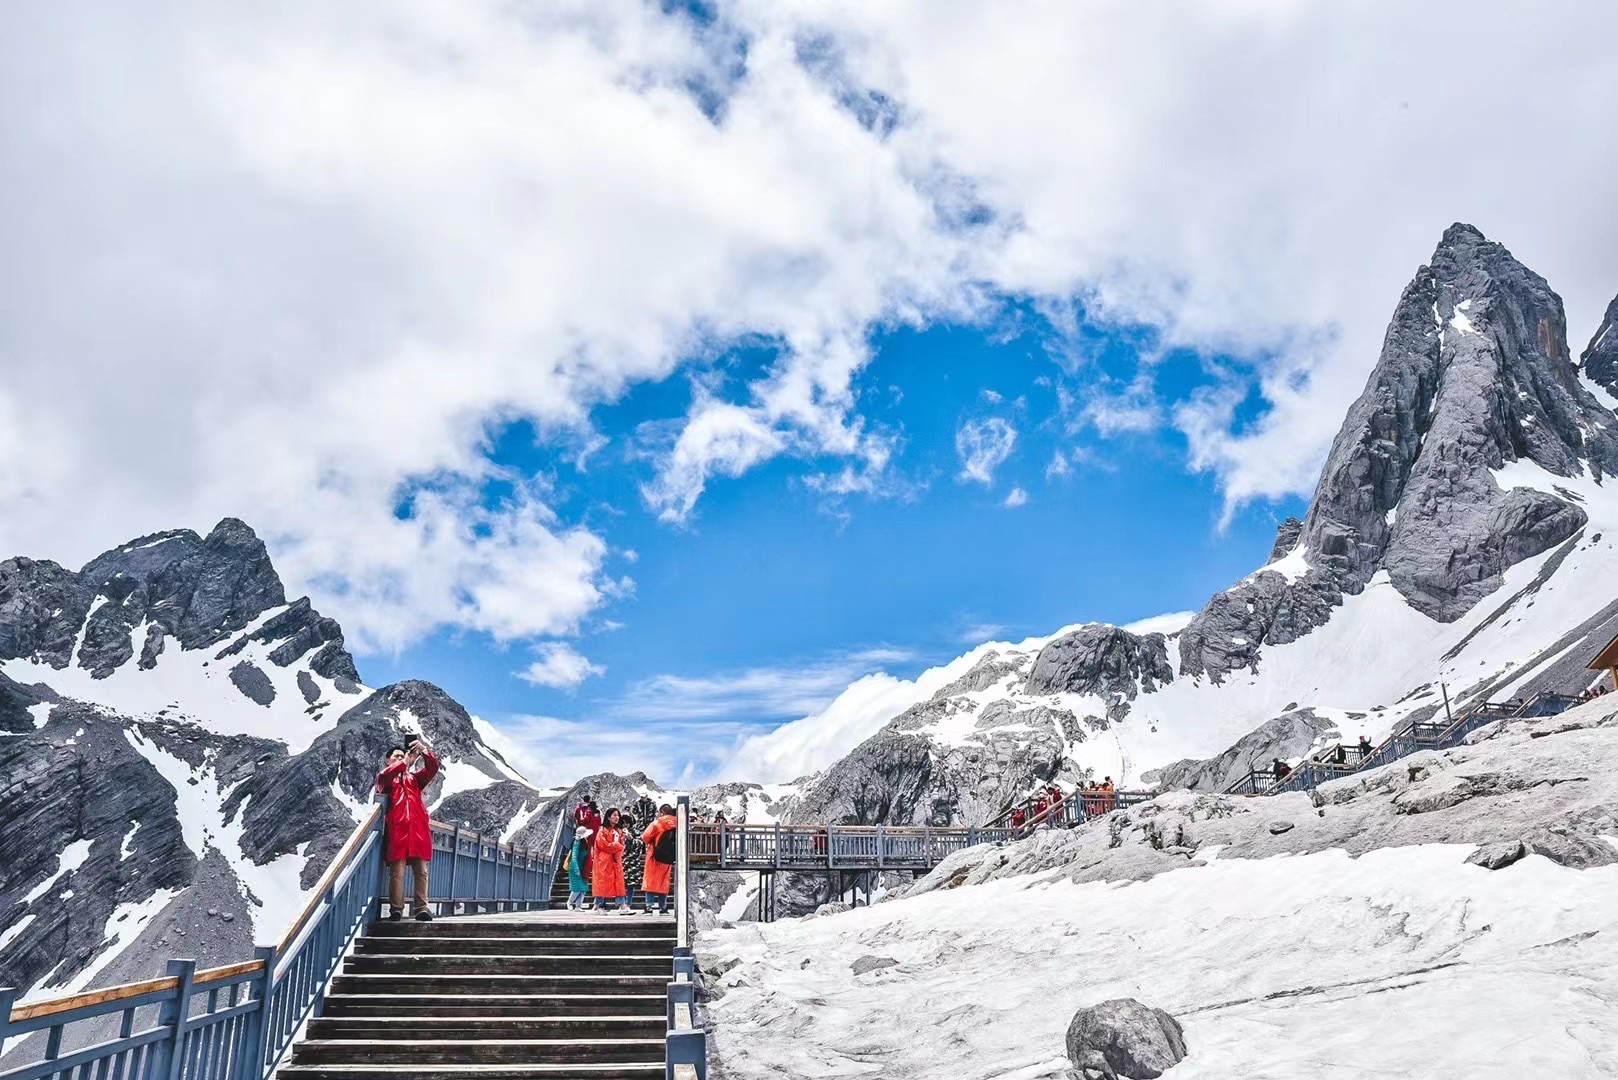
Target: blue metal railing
[1405,740]
[834,847]
[685,1053]
[237,1022]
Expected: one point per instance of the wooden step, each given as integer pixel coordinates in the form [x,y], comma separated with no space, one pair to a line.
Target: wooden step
[475,1051]
[599,964]
[566,1071]
[546,926]
[415,1028]
[582,1004]
[549,945]
[500,984]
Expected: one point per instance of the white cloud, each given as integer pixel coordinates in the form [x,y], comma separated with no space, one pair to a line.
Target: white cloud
[1168,623]
[754,694]
[1059,466]
[983,446]
[560,665]
[977,633]
[1018,497]
[328,248]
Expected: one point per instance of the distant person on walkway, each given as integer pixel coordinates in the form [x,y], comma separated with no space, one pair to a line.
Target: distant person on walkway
[1281,769]
[645,808]
[1340,755]
[1041,805]
[662,849]
[1108,798]
[607,863]
[1018,818]
[409,836]
[1364,748]
[719,818]
[578,881]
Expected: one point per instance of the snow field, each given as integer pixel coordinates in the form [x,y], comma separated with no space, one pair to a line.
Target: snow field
[1404,962]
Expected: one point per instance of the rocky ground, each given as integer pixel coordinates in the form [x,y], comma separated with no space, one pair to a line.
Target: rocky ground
[1448,915]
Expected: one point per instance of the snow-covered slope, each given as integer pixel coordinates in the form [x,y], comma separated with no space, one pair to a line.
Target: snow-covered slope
[182,751]
[1464,535]
[1361,937]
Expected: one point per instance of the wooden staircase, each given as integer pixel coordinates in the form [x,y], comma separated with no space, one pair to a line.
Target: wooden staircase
[564,997]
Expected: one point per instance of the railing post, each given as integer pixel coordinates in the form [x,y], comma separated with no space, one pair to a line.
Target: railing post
[255,1041]
[454,857]
[477,872]
[173,1014]
[8,996]
[511,878]
[682,873]
[831,848]
[881,842]
[777,860]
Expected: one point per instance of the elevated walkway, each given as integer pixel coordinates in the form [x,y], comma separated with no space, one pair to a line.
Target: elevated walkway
[1336,762]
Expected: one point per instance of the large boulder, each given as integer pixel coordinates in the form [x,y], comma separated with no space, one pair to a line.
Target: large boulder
[1123,1039]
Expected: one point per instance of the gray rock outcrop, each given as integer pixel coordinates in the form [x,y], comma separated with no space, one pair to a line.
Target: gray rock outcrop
[1291,735]
[1599,361]
[1474,374]
[1111,663]
[1122,1039]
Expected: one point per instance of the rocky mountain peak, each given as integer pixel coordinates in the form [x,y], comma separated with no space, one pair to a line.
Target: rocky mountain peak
[1599,361]
[1474,374]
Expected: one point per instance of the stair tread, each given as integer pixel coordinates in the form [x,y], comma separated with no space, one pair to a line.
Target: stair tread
[395,1043]
[564,1068]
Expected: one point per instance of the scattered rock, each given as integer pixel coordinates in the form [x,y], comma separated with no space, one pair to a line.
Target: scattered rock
[1498,856]
[1279,827]
[835,908]
[1123,1039]
[872,963]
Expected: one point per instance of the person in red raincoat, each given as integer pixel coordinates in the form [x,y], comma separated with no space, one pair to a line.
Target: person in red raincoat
[409,837]
[586,816]
[607,864]
[659,874]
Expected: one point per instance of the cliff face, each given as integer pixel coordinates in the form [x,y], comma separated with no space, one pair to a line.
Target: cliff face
[1478,445]
[184,752]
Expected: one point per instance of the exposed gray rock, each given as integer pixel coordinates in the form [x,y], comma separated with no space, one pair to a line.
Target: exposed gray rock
[308,687]
[152,647]
[1599,361]
[42,606]
[1288,736]
[836,907]
[1279,827]
[988,671]
[1102,660]
[1499,855]
[1123,1039]
[1474,373]
[253,683]
[867,964]
[1286,538]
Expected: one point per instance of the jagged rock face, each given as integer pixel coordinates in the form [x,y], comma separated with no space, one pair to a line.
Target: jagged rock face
[201,590]
[1266,609]
[134,827]
[1289,736]
[42,606]
[1599,361]
[1474,373]
[1101,660]
[1286,538]
[76,797]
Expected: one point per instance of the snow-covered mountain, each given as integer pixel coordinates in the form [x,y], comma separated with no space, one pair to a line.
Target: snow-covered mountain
[182,752]
[1448,915]
[1464,534]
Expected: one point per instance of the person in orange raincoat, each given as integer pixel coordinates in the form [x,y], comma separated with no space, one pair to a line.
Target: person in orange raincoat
[659,874]
[607,863]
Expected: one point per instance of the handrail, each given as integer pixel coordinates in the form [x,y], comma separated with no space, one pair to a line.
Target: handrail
[337,863]
[255,1007]
[685,1044]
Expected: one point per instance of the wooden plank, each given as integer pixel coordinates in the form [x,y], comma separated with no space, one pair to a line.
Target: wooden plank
[330,875]
[94,997]
[228,971]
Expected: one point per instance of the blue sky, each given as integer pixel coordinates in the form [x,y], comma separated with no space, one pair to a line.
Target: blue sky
[775,593]
[684,357]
